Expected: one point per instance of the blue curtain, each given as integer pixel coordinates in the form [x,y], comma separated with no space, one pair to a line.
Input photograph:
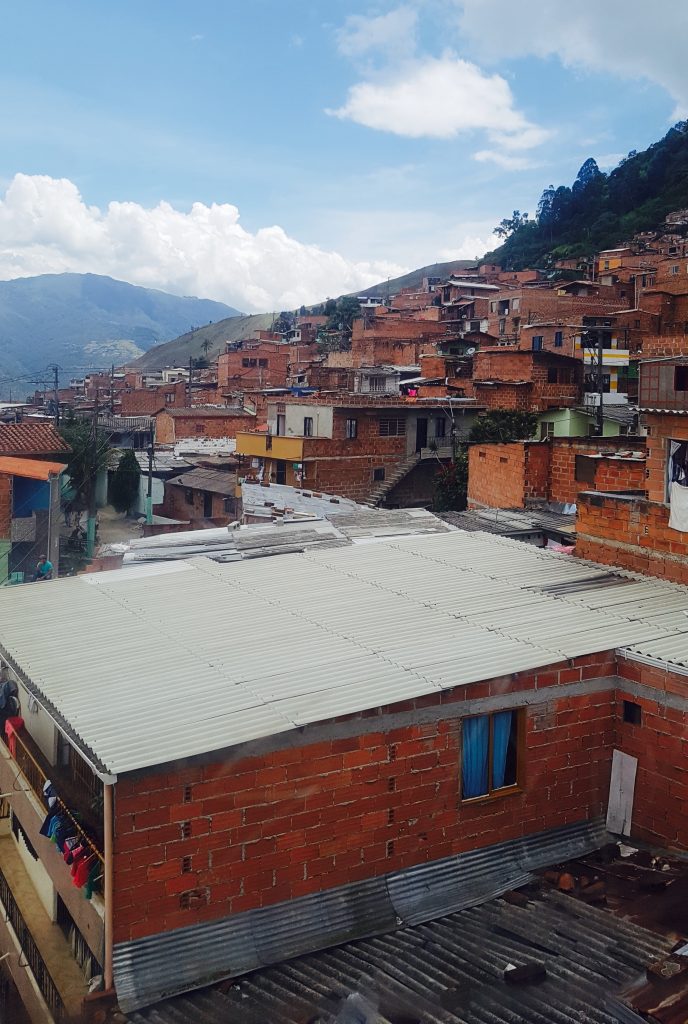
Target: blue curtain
[501,730]
[476,740]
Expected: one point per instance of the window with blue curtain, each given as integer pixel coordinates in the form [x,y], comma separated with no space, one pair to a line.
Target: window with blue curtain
[489,755]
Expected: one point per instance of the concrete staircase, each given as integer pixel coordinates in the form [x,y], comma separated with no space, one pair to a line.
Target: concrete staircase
[392,478]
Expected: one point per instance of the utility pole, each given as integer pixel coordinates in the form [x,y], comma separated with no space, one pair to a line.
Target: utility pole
[112,390]
[56,389]
[91,521]
[600,383]
[188,387]
[149,492]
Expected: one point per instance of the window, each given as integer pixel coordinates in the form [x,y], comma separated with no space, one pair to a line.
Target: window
[253,362]
[637,323]
[379,474]
[502,326]
[585,469]
[606,264]
[489,753]
[262,362]
[169,397]
[308,426]
[376,383]
[189,496]
[392,427]
[546,430]
[537,343]
[200,428]
[440,427]
[632,713]
[675,269]
[245,362]
[493,307]
[551,375]
[677,465]
[515,305]
[681,378]
[558,339]
[352,429]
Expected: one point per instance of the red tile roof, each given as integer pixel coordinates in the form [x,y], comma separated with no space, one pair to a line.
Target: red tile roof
[31,439]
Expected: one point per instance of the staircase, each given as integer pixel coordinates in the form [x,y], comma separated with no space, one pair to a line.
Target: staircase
[392,478]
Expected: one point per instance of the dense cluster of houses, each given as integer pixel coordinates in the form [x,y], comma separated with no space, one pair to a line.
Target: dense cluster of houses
[416,767]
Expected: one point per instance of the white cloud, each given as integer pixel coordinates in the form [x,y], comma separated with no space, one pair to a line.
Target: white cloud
[393,33]
[608,161]
[620,37]
[441,98]
[472,247]
[505,160]
[46,227]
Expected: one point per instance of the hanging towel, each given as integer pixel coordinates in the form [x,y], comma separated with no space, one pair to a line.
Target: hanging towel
[83,870]
[678,520]
[47,823]
[93,876]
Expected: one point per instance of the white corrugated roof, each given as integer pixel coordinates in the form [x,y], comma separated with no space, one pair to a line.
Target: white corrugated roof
[148,667]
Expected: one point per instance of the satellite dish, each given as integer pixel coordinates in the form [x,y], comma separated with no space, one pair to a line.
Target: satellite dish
[470,351]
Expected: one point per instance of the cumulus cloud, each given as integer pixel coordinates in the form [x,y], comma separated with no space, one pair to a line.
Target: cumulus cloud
[46,227]
[441,97]
[622,37]
[393,33]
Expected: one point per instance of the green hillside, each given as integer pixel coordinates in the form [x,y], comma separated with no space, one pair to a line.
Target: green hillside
[415,277]
[192,345]
[600,210]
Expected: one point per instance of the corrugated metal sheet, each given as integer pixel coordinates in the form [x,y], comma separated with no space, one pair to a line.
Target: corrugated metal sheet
[150,969]
[334,631]
[449,971]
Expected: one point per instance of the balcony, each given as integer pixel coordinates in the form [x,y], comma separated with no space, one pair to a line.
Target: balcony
[271,446]
[49,980]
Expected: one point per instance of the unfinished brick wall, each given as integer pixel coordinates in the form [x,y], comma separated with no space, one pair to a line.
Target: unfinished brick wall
[631,533]
[188,504]
[239,834]
[504,475]
[610,474]
[169,429]
[660,805]
[231,371]
[148,401]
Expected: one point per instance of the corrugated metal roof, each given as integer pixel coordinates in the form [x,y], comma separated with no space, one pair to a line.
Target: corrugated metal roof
[150,969]
[449,971]
[335,631]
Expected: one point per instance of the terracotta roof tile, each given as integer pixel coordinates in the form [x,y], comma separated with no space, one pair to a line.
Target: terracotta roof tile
[31,439]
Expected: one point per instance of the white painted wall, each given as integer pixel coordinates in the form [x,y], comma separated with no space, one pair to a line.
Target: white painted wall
[322,415]
[40,879]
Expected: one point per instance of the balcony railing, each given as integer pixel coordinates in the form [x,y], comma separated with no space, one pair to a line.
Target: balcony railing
[37,777]
[30,950]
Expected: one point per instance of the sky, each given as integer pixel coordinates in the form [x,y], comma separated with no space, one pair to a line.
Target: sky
[274,152]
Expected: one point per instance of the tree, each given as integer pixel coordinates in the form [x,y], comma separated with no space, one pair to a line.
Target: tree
[451,484]
[206,347]
[511,224]
[85,459]
[588,173]
[124,486]
[344,314]
[502,426]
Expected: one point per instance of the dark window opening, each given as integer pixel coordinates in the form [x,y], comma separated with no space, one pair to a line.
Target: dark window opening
[489,753]
[308,426]
[379,474]
[558,339]
[537,343]
[681,378]
[585,469]
[551,375]
[632,713]
[189,496]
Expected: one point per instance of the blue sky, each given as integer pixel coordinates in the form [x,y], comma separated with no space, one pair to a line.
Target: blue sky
[272,152]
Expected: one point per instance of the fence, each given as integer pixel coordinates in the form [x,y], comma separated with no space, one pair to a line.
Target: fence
[30,950]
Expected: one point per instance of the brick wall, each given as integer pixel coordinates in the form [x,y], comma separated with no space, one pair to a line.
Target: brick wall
[254,831]
[231,371]
[148,401]
[660,806]
[610,474]
[496,475]
[169,429]
[176,506]
[631,533]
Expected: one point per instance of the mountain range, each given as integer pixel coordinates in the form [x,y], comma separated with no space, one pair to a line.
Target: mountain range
[84,321]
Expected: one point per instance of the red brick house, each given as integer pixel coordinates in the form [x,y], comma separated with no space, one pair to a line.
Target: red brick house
[254,363]
[149,401]
[408,703]
[508,378]
[172,425]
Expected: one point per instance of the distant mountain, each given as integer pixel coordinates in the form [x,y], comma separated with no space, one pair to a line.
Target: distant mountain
[82,321]
[191,345]
[415,277]
[600,211]
[179,351]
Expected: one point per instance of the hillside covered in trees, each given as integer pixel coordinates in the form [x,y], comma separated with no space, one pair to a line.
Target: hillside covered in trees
[600,210]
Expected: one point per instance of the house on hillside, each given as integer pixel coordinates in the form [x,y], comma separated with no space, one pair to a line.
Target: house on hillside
[346,746]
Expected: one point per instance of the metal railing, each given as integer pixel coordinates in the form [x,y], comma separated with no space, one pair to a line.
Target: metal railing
[36,778]
[31,951]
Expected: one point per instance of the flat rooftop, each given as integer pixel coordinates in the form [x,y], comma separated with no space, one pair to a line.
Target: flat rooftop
[145,665]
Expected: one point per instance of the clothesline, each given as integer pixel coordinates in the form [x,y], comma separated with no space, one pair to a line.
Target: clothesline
[80,830]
